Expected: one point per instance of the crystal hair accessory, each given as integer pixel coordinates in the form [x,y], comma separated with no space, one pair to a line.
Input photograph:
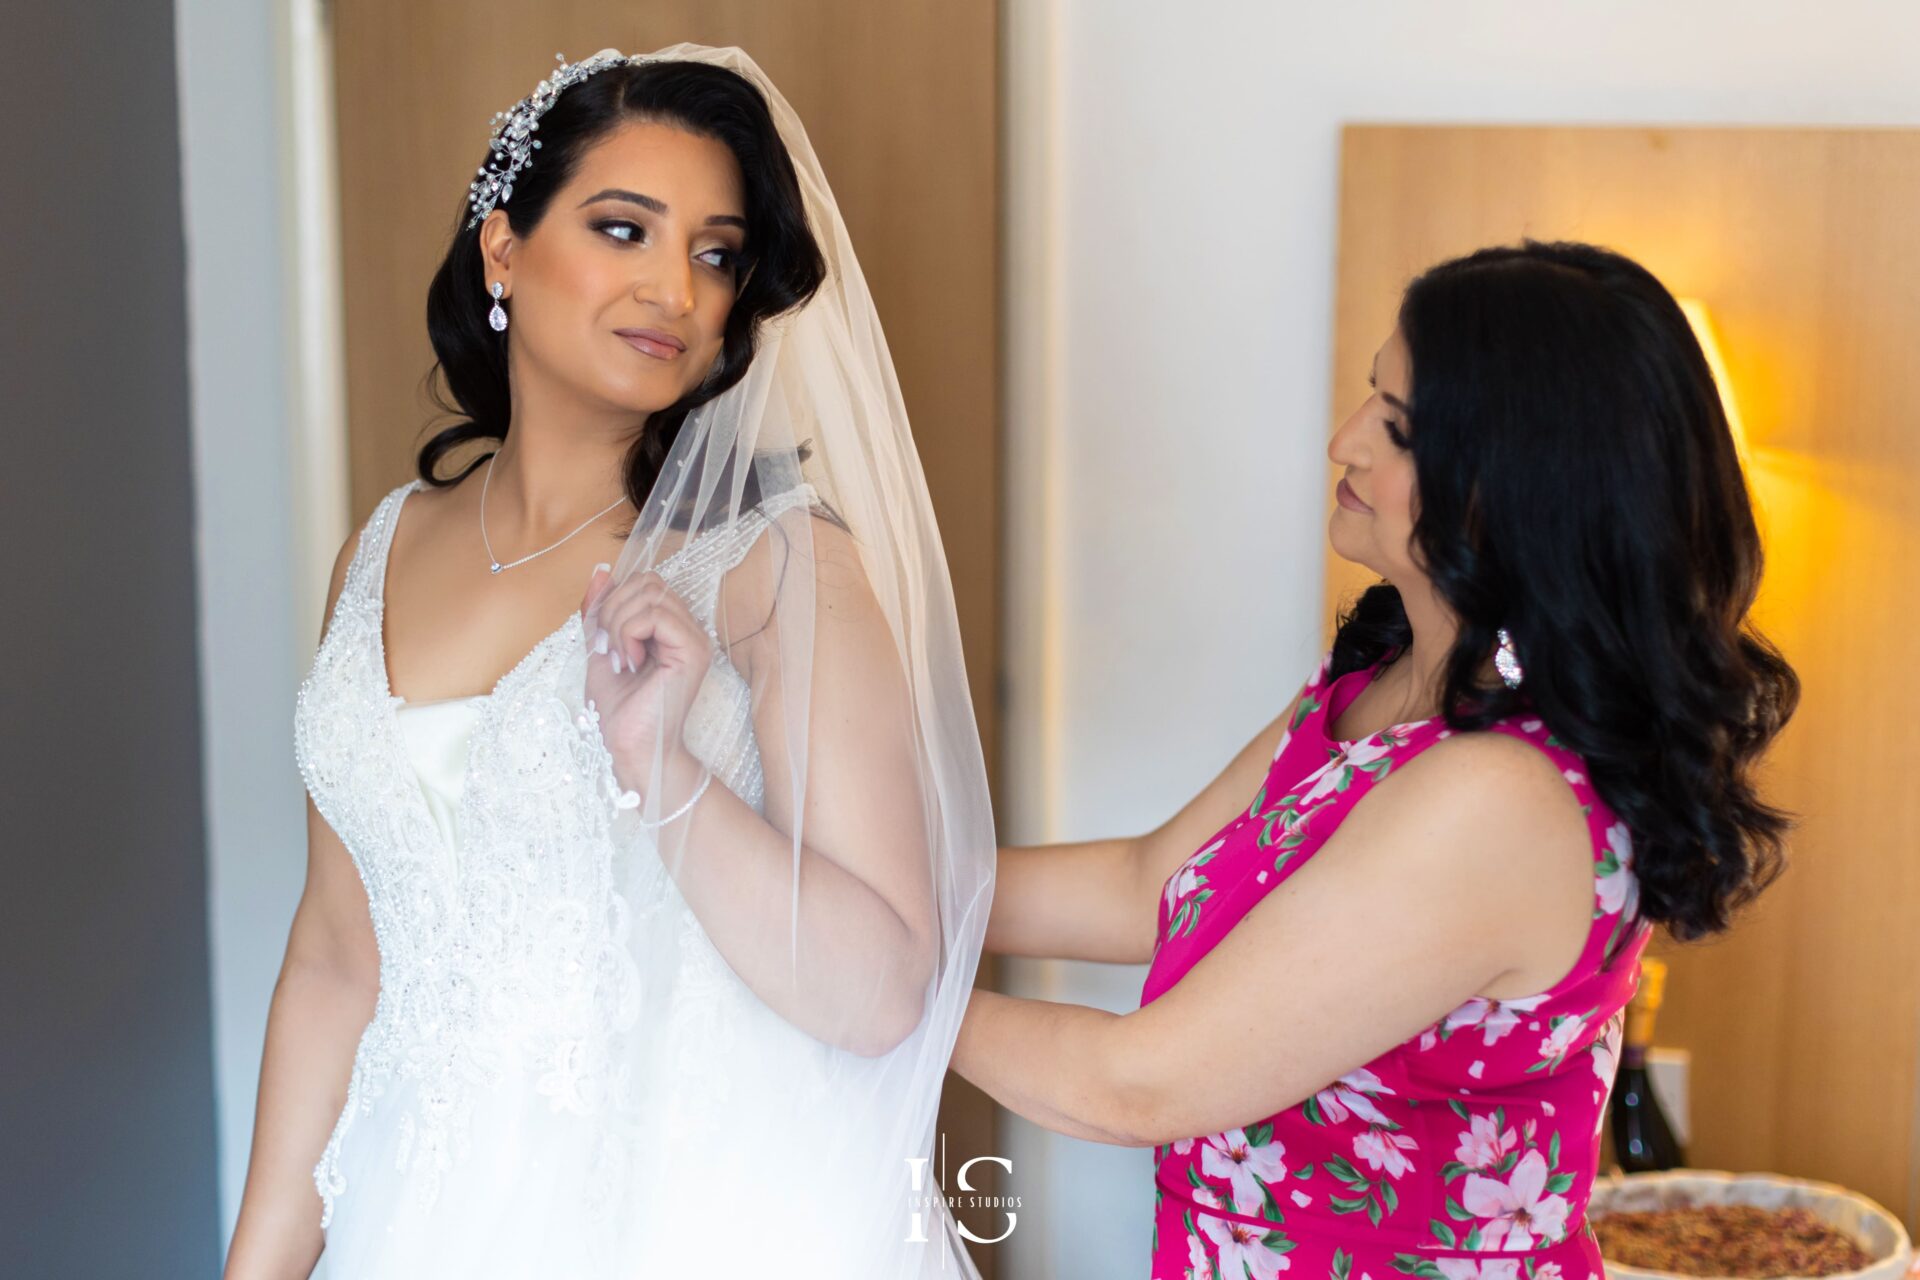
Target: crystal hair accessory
[512,138]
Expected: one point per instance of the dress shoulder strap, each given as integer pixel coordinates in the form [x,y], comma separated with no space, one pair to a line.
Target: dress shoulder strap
[697,568]
[367,569]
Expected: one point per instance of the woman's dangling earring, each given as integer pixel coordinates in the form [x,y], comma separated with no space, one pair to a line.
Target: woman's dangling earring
[1506,661]
[498,316]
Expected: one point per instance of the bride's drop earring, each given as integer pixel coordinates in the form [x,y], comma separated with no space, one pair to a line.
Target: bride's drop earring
[1506,661]
[498,316]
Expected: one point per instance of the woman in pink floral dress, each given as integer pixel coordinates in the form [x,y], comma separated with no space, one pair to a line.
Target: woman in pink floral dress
[1390,945]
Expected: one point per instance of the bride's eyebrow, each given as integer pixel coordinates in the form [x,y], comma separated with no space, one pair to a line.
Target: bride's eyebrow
[658,206]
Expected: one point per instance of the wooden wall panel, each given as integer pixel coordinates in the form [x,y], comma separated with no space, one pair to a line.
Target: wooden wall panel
[1804,1022]
[901,102]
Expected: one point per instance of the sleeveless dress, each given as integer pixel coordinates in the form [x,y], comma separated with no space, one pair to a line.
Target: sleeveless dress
[1466,1153]
[489,1130]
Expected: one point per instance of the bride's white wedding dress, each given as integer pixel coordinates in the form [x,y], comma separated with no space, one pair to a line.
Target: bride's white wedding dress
[493,1125]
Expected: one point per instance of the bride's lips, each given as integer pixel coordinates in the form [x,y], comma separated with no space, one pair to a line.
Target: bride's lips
[654,342]
[1347,498]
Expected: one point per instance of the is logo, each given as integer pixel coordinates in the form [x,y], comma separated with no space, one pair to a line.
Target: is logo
[921,1201]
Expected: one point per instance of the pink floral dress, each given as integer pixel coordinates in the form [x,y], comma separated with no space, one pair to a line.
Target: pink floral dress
[1466,1153]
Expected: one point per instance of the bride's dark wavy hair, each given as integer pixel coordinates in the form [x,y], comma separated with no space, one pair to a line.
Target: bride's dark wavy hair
[781,267]
[1577,484]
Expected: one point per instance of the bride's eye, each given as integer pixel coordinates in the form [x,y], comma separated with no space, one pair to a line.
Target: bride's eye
[719,258]
[639,231]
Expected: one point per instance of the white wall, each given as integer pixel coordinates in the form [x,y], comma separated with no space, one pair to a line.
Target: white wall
[1172,187]
[269,487]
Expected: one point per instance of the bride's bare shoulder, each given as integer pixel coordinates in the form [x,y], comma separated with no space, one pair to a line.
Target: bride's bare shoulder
[431,503]
[802,547]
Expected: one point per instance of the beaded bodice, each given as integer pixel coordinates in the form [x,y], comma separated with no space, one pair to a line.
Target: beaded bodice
[502,954]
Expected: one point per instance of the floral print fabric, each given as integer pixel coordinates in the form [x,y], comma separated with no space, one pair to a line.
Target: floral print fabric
[1467,1153]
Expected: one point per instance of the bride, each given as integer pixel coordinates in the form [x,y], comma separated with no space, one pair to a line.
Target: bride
[554,1003]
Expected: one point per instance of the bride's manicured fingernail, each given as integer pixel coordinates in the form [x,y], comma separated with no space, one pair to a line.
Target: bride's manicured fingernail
[614,658]
[600,640]
[604,565]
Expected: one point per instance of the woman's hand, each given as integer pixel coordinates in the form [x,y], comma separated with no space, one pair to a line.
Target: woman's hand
[646,658]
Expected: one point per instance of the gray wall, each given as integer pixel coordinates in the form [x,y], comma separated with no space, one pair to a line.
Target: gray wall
[106,1080]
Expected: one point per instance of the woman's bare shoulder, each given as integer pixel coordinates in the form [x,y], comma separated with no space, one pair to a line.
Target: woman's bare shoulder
[800,547]
[1491,808]
[1490,773]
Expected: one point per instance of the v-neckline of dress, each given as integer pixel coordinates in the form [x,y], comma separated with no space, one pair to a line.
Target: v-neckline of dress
[393,738]
[486,704]
[1336,707]
[394,701]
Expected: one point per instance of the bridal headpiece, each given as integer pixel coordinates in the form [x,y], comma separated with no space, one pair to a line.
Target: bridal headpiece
[512,138]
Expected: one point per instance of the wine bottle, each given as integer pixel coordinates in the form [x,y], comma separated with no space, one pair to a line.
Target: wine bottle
[1643,1141]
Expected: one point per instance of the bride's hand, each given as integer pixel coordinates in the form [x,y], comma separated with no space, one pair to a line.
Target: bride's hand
[646,658]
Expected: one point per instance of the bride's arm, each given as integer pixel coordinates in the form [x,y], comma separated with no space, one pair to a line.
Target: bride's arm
[1099,899]
[868,936]
[329,981]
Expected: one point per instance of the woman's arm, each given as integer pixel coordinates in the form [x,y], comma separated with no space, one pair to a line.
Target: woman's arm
[1381,934]
[1070,902]
[322,1002]
[868,937]
[1099,899]
[329,981]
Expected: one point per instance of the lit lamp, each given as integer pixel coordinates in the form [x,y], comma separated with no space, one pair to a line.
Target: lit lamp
[1696,313]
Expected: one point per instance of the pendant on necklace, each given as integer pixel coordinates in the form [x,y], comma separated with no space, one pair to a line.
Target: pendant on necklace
[496,568]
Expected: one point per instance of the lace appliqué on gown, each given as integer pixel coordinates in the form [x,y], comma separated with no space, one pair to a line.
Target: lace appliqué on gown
[508,955]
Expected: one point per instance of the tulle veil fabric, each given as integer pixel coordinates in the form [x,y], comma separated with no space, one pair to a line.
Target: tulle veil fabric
[746,1127]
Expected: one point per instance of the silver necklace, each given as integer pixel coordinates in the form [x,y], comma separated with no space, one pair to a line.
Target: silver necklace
[493,560]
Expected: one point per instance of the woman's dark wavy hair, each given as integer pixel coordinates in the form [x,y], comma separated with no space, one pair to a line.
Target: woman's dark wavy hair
[781,267]
[1578,485]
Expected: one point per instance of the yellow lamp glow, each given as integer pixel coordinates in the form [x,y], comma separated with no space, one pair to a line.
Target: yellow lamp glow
[1696,313]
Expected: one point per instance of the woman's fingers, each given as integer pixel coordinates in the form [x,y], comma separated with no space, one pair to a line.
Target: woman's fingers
[620,615]
[656,624]
[604,610]
[644,612]
[597,583]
